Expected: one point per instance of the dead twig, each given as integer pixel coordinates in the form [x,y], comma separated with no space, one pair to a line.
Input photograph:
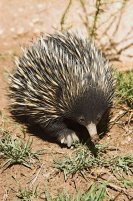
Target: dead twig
[97,13]
[63,17]
[36,176]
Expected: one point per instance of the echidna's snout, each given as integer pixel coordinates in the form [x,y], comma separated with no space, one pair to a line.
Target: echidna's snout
[93,132]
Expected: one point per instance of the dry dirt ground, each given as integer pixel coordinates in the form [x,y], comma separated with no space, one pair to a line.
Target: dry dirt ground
[20,22]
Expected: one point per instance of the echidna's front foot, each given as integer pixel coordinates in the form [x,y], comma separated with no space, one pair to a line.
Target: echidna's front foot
[69,139]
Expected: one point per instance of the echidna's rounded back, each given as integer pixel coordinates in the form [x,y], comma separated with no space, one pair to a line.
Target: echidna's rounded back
[54,71]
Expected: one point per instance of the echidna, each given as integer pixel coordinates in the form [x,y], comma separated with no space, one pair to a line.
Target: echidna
[62,77]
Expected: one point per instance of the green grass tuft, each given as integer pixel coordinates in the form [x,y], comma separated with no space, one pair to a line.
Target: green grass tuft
[96,192]
[25,194]
[122,163]
[127,183]
[124,87]
[15,151]
[84,160]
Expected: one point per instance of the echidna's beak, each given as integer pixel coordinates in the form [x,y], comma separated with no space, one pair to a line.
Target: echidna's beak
[93,132]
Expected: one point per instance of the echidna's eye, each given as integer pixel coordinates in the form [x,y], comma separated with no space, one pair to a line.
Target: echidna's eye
[82,120]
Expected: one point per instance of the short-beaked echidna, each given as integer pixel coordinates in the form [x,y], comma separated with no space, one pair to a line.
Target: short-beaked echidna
[62,77]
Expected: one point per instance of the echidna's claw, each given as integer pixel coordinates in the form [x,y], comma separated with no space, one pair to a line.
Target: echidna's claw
[69,139]
[75,137]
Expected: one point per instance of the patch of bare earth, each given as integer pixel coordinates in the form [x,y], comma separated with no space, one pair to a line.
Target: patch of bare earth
[21,22]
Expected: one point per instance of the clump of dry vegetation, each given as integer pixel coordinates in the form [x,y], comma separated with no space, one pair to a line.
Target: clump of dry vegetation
[103,26]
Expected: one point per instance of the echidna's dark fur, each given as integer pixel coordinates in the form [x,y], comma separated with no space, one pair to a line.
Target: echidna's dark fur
[59,77]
